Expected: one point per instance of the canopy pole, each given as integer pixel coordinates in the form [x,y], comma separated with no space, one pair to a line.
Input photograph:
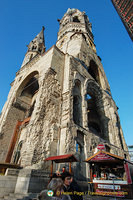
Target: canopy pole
[70,168]
[52,168]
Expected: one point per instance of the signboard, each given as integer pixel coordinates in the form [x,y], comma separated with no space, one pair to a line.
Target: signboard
[112,187]
[101,147]
[102,156]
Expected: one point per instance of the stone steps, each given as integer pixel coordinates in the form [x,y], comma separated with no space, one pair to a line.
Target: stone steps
[13,196]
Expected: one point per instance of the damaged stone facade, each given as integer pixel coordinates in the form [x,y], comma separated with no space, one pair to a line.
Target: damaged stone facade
[60,102]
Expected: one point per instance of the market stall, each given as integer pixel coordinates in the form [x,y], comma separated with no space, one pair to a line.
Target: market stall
[68,158]
[110,174]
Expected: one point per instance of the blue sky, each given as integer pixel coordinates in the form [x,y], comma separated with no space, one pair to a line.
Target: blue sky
[22,20]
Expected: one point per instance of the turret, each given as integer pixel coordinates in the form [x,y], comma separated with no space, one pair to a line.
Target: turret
[36,46]
[74,25]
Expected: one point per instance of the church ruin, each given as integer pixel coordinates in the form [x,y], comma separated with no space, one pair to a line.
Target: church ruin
[60,102]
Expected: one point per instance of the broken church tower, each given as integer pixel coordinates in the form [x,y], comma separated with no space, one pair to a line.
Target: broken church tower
[60,101]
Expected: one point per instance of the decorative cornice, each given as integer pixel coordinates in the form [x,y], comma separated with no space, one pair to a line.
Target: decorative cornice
[72,25]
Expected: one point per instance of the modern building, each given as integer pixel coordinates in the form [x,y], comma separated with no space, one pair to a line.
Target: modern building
[124,9]
[60,102]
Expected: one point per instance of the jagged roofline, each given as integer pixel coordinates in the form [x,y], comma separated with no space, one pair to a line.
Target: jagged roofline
[36,46]
[39,36]
[72,11]
[76,13]
[84,24]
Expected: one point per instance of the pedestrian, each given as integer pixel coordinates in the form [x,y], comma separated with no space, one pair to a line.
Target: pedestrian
[54,191]
[71,187]
[63,169]
[66,177]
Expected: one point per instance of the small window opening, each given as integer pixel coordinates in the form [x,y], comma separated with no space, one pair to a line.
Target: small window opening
[34,47]
[75,19]
[78,148]
[107,148]
[91,44]
[62,42]
[18,153]
[92,73]
[125,156]
[39,49]
[84,37]
[87,97]
[31,56]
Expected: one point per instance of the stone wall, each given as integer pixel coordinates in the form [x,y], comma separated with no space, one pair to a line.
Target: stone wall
[42,131]
[15,109]
[13,116]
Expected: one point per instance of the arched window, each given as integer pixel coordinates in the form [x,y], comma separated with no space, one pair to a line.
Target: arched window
[77,103]
[19,110]
[31,87]
[93,71]
[97,120]
[94,122]
[26,92]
